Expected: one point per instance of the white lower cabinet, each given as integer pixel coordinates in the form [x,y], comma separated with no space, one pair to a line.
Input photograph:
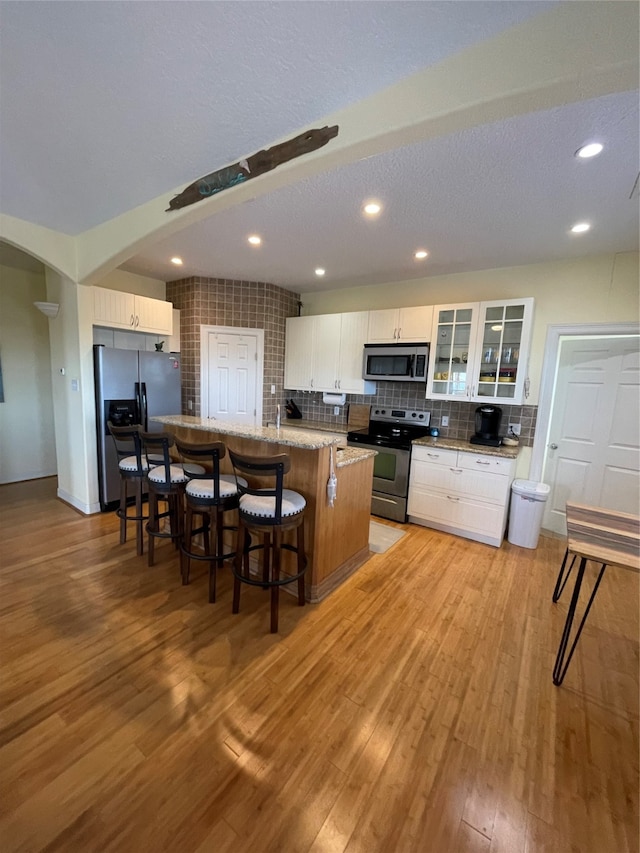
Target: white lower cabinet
[459,492]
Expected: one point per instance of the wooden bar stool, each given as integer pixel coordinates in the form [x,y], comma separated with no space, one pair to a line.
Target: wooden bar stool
[166,480]
[267,510]
[209,495]
[134,467]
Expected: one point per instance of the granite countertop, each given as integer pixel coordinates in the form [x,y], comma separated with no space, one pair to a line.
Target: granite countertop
[307,439]
[461,444]
[302,423]
[350,455]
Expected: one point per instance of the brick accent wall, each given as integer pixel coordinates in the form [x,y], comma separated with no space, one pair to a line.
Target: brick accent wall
[242,304]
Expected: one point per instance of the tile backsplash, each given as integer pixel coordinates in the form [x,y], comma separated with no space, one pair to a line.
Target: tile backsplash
[408,395]
[240,304]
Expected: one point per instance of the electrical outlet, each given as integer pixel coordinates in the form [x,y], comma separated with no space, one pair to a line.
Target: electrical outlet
[515,428]
[444,421]
[273,389]
[190,405]
[336,410]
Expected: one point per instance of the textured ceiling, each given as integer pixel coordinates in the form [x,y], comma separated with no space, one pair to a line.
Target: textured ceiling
[108,105]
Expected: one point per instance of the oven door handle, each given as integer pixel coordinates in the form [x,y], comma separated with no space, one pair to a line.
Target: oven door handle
[385,500]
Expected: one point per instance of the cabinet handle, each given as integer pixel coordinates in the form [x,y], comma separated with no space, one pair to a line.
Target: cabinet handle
[339,381]
[131,320]
[482,462]
[399,330]
[433,455]
[311,383]
[456,470]
[450,498]
[395,334]
[137,323]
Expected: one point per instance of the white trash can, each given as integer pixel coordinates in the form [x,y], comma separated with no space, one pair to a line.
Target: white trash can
[525,514]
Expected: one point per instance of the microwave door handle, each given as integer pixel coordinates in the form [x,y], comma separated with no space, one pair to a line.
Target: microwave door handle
[412,366]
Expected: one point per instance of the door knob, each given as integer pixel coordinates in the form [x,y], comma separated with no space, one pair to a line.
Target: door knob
[553,447]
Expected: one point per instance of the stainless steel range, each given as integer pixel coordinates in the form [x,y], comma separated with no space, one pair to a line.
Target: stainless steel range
[391,432]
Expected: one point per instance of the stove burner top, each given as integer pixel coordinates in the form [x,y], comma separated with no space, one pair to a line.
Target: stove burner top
[392,428]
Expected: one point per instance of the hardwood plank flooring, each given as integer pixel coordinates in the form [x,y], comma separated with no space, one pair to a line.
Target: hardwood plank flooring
[412,711]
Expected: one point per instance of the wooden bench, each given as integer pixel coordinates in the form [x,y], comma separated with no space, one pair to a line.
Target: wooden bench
[604,536]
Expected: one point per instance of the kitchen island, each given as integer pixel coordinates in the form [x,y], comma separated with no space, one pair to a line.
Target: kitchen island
[336,538]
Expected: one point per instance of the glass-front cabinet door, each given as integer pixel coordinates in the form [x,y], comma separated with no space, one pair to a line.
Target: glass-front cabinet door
[480,351]
[502,351]
[453,341]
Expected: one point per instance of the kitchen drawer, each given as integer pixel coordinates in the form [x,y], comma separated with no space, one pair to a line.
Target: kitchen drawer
[454,480]
[458,514]
[435,455]
[482,462]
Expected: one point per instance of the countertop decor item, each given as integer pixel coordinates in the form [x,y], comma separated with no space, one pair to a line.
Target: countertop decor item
[510,441]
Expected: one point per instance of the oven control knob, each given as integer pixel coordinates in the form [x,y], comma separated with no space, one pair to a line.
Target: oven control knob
[421,416]
[414,414]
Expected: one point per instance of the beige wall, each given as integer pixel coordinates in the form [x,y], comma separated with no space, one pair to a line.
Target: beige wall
[601,289]
[27,448]
[129,282]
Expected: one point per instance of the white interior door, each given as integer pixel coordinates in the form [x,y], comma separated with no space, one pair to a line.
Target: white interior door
[593,450]
[231,375]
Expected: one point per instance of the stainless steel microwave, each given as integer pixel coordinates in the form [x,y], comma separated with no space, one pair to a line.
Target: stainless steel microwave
[396,362]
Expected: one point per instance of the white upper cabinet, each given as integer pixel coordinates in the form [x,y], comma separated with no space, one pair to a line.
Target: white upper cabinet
[119,310]
[451,355]
[480,351]
[113,308]
[298,356]
[353,336]
[400,325]
[153,315]
[324,353]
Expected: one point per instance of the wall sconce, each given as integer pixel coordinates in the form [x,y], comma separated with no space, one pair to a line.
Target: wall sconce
[49,309]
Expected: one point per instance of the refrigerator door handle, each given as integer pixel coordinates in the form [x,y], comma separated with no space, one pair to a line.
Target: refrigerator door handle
[139,409]
[143,408]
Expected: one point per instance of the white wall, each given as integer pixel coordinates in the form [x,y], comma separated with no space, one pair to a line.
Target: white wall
[600,289]
[27,447]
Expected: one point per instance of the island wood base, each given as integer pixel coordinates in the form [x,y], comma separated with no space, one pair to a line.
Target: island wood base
[336,539]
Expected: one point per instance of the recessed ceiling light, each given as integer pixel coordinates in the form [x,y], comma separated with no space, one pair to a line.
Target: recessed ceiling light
[590,150]
[320,271]
[372,208]
[580,227]
[177,261]
[255,240]
[420,254]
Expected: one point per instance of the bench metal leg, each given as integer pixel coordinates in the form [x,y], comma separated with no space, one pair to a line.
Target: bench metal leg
[563,659]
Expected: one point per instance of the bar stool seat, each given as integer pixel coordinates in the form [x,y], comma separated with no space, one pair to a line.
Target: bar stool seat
[267,510]
[167,481]
[208,495]
[133,466]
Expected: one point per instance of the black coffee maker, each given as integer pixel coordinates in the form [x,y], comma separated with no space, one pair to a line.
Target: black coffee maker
[487,426]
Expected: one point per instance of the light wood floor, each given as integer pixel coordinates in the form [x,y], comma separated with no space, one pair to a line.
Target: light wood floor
[412,710]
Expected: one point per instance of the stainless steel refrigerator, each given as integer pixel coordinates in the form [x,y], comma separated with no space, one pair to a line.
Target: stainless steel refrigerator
[131,387]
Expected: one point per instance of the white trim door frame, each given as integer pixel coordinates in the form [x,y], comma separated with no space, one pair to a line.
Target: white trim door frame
[555,335]
[205,360]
